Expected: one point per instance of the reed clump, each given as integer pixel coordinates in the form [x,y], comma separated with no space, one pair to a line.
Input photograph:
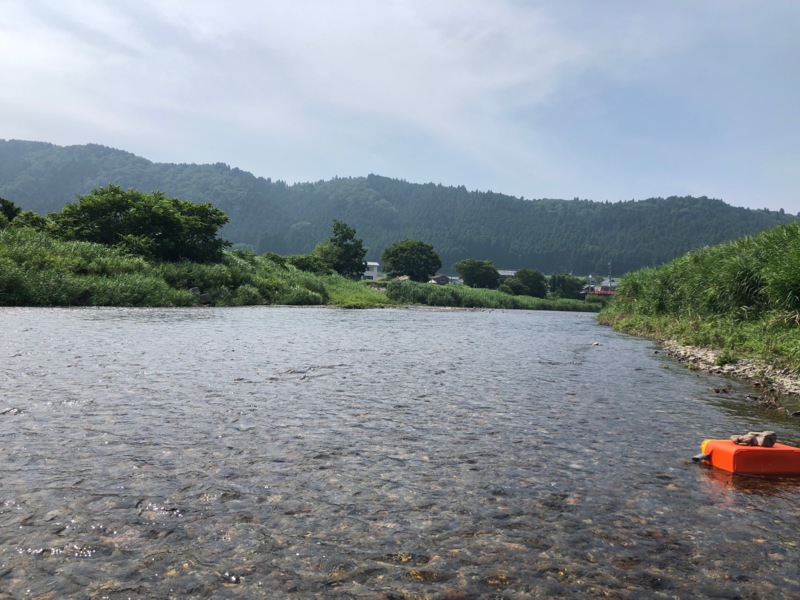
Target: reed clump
[742,296]
[38,270]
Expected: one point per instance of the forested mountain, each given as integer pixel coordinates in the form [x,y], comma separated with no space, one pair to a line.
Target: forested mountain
[579,236]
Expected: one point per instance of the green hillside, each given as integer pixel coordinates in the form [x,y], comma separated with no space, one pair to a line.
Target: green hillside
[266,215]
[742,297]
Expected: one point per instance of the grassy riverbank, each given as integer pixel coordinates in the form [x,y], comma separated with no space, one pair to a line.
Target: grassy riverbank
[409,292]
[741,298]
[39,270]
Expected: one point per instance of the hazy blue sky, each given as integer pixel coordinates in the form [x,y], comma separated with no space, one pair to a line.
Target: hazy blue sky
[605,100]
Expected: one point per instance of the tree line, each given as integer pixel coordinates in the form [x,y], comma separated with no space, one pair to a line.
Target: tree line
[265,215]
[163,229]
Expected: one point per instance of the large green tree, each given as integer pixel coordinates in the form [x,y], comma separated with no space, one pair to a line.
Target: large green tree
[28,218]
[528,282]
[478,273]
[343,251]
[566,286]
[166,229]
[413,258]
[9,210]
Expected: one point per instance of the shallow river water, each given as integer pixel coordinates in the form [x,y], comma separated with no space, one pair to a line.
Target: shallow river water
[395,453]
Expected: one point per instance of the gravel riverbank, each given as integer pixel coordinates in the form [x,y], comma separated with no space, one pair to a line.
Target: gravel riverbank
[772,383]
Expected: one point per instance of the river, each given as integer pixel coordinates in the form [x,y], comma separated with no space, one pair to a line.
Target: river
[270,452]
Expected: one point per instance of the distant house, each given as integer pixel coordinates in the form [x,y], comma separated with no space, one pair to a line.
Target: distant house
[440,279]
[505,273]
[608,285]
[371,272]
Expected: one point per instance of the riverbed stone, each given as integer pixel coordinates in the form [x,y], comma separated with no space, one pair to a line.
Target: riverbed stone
[752,371]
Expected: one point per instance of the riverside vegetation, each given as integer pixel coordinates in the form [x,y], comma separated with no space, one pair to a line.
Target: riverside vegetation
[552,235]
[740,298]
[39,270]
[42,264]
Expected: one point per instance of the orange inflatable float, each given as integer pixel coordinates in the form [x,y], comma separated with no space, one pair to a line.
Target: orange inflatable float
[778,459]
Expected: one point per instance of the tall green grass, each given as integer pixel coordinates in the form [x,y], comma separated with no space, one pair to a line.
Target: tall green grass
[37,270]
[354,294]
[409,292]
[742,296]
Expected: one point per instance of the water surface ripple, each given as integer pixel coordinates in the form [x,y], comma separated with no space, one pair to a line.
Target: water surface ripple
[397,453]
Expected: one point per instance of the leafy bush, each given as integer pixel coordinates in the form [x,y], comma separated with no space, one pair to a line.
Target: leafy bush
[311,263]
[151,225]
[298,296]
[247,295]
[726,357]
[597,299]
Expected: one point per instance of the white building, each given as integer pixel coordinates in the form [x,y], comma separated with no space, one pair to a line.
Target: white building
[372,271]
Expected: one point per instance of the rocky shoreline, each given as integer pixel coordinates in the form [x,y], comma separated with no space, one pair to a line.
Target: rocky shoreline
[773,384]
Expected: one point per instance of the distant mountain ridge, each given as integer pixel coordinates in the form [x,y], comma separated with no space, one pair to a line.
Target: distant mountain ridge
[579,236]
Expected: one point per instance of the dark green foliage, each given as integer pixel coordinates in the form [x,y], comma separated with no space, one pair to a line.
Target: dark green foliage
[28,218]
[566,286]
[578,236]
[528,282]
[9,210]
[599,300]
[151,225]
[343,252]
[310,262]
[413,258]
[250,257]
[513,286]
[277,259]
[478,273]
[11,214]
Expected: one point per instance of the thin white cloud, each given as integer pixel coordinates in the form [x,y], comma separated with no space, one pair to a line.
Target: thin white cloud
[614,99]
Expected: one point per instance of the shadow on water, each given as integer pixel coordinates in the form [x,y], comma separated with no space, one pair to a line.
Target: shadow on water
[725,481]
